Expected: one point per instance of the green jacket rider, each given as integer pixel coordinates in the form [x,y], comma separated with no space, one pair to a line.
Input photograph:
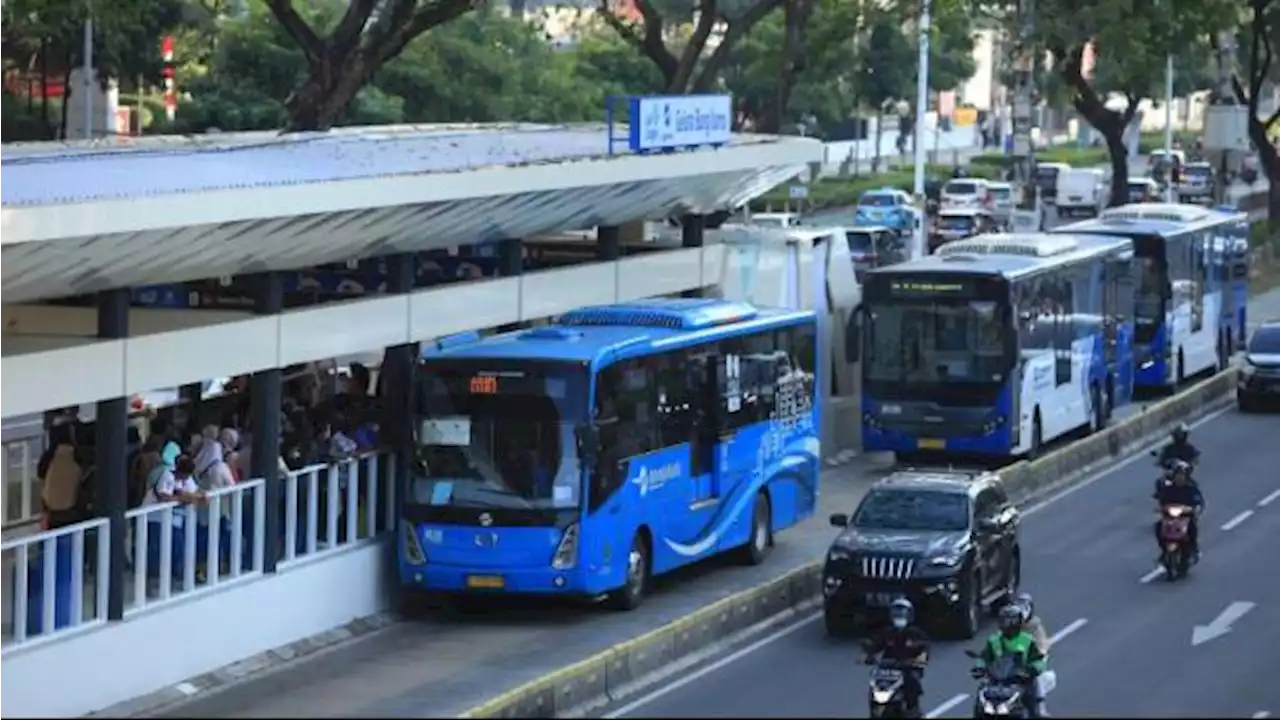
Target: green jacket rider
[1013,639]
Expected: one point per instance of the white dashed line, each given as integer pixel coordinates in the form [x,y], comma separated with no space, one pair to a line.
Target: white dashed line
[186,688]
[1261,715]
[1064,632]
[944,707]
[1269,499]
[1234,522]
[1157,572]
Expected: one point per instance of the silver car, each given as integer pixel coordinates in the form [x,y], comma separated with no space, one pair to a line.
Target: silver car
[1003,201]
[1197,182]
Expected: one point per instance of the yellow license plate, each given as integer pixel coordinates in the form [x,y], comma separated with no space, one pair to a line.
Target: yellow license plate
[931,444]
[486,582]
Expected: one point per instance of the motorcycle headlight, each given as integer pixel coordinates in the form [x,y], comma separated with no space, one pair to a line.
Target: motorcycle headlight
[881,697]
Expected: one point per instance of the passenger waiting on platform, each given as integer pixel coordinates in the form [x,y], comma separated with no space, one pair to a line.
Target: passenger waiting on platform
[177,485]
[61,478]
[211,470]
[230,440]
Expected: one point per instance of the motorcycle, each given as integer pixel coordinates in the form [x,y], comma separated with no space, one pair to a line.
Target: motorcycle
[886,694]
[1000,692]
[1175,526]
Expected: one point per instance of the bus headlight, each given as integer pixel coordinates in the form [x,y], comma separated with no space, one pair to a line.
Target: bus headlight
[411,546]
[566,557]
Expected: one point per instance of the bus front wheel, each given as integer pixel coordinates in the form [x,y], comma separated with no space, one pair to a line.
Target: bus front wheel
[761,540]
[631,594]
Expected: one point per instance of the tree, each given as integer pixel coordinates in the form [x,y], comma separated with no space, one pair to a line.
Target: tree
[1262,65]
[45,38]
[950,45]
[686,67]
[353,49]
[1130,40]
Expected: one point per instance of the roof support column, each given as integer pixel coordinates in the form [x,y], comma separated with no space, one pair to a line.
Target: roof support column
[692,230]
[608,243]
[110,439]
[510,264]
[395,387]
[264,424]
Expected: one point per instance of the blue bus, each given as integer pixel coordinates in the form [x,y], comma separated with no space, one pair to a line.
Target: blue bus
[997,345]
[1187,320]
[1231,261]
[619,443]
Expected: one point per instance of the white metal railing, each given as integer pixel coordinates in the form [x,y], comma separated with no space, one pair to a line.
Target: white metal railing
[47,579]
[21,488]
[327,507]
[198,547]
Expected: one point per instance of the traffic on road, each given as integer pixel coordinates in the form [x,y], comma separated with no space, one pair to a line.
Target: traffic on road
[1123,641]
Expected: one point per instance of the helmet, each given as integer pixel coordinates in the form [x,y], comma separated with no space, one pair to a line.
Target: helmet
[1010,619]
[901,613]
[1027,604]
[1180,433]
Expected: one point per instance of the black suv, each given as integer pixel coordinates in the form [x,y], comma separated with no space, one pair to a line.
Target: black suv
[1259,380]
[947,541]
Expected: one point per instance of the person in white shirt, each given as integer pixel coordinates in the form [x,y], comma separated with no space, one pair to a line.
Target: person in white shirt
[176,485]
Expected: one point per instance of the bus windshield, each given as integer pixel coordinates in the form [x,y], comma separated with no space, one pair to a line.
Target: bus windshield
[499,437]
[925,340]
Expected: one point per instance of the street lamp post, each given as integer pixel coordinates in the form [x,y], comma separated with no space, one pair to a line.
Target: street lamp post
[922,105]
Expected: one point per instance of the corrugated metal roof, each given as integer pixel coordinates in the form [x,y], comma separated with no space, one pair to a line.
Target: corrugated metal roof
[44,175]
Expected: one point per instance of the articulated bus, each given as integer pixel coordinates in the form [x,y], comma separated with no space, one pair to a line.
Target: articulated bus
[998,345]
[616,444]
[1188,320]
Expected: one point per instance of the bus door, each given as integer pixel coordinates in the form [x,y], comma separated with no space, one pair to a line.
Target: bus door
[742,425]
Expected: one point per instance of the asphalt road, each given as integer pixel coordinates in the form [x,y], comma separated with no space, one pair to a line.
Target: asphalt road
[1125,642]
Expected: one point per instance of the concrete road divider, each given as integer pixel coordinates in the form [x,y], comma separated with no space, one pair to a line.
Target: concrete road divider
[623,669]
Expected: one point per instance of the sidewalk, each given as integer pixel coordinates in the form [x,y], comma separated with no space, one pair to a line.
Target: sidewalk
[441,666]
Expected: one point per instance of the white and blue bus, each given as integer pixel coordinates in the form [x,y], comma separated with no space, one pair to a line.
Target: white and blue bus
[1188,318]
[998,345]
[618,443]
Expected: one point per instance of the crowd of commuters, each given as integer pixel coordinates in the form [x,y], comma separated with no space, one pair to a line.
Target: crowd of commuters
[181,453]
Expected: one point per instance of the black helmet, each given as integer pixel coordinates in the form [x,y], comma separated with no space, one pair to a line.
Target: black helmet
[1010,619]
[901,612]
[1180,433]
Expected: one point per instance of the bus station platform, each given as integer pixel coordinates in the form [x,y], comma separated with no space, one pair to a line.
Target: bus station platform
[269,563]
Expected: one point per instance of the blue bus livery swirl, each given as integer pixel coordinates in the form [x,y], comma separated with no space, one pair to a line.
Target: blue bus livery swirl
[1192,295]
[554,460]
[997,344]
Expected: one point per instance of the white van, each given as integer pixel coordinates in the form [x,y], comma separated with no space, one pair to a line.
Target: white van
[1082,192]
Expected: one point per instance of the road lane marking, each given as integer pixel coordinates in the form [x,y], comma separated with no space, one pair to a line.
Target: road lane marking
[1234,522]
[1119,465]
[1064,632]
[708,669]
[1157,572]
[1269,499]
[944,707]
[1261,715]
[784,632]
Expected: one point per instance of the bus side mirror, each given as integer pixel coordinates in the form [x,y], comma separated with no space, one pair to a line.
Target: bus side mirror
[853,336]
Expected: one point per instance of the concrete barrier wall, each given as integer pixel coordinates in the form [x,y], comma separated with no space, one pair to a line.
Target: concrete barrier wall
[618,671]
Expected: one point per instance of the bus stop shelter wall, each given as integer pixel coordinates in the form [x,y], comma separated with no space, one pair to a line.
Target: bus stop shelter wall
[122,367]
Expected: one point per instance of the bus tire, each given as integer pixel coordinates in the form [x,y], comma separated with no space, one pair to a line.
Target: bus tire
[631,595]
[1099,420]
[760,542]
[1037,436]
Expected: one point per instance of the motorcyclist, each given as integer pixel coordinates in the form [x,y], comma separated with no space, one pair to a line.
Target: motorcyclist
[1180,447]
[1031,622]
[1013,639]
[905,645]
[1179,489]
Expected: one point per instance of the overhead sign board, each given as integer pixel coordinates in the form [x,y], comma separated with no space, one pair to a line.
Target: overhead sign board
[661,123]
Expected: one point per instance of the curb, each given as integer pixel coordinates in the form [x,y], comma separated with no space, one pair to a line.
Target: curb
[162,700]
[620,671]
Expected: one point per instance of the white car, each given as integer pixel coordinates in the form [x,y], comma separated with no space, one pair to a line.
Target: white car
[972,193]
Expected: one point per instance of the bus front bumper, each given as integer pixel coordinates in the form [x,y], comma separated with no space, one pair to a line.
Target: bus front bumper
[494,581]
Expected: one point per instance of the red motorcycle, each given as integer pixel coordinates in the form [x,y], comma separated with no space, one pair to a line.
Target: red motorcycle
[1175,528]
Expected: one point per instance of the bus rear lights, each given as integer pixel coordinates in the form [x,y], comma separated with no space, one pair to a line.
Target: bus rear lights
[566,557]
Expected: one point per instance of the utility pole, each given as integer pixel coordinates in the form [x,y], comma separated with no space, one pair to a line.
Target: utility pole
[922,107]
[1023,60]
